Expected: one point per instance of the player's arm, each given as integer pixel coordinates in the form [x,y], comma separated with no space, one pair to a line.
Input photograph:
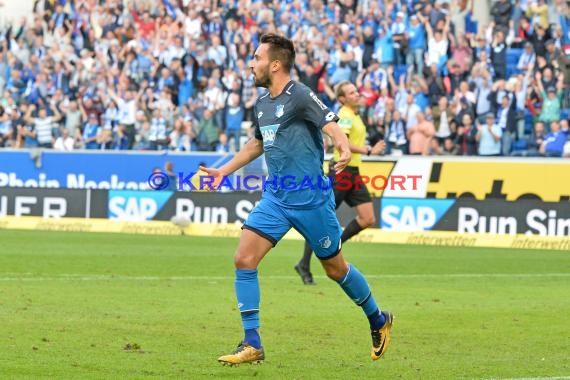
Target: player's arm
[319,115]
[341,144]
[250,151]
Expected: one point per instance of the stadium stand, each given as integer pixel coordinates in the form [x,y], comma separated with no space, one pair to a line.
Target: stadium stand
[158,75]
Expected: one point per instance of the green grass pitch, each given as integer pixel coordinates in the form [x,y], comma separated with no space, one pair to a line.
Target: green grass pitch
[102,306]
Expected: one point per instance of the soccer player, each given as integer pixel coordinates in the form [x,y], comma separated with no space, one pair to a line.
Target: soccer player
[356,194]
[288,124]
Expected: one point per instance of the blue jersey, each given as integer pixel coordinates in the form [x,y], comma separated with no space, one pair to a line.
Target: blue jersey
[290,127]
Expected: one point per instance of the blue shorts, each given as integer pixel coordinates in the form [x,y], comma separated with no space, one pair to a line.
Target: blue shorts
[319,226]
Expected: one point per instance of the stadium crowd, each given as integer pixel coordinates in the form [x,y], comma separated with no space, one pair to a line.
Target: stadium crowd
[443,77]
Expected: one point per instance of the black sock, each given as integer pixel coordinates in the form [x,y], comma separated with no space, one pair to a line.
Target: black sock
[352,229]
[306,259]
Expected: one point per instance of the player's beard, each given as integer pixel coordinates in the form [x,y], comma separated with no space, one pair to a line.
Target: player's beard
[262,79]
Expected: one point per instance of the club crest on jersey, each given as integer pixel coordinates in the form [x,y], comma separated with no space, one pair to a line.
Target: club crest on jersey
[279,110]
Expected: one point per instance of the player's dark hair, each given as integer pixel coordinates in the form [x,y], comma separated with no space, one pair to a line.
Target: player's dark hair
[280,49]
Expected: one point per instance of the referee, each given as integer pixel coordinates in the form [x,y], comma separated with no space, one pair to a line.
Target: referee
[356,195]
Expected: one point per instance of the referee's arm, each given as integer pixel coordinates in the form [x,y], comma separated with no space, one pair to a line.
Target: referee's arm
[378,148]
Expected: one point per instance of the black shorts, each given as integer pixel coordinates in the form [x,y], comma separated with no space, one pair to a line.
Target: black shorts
[353,195]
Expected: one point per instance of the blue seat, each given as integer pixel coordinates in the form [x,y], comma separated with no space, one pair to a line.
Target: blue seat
[565,113]
[520,144]
[513,56]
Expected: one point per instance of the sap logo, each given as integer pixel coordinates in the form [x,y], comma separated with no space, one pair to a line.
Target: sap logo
[132,208]
[136,205]
[412,214]
[408,218]
[268,133]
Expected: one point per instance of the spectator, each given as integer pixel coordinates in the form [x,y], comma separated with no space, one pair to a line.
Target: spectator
[421,135]
[461,55]
[551,101]
[554,141]
[400,38]
[120,138]
[158,131]
[499,55]
[449,148]
[466,139]
[537,11]
[176,135]
[539,38]
[506,119]
[207,132]
[43,125]
[64,142]
[222,146]
[459,13]
[189,138]
[438,44]
[172,177]
[127,108]
[489,137]
[90,132]
[104,139]
[527,58]
[417,44]
[6,128]
[234,116]
[310,74]
[397,137]
[501,12]
[522,33]
[72,119]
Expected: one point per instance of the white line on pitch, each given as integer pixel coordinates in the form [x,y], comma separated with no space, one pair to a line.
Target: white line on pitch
[96,277]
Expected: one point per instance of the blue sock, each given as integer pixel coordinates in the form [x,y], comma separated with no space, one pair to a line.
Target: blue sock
[355,286]
[252,337]
[247,292]
[376,320]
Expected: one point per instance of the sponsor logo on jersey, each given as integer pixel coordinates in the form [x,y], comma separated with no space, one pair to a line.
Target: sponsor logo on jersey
[268,133]
[330,116]
[318,101]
